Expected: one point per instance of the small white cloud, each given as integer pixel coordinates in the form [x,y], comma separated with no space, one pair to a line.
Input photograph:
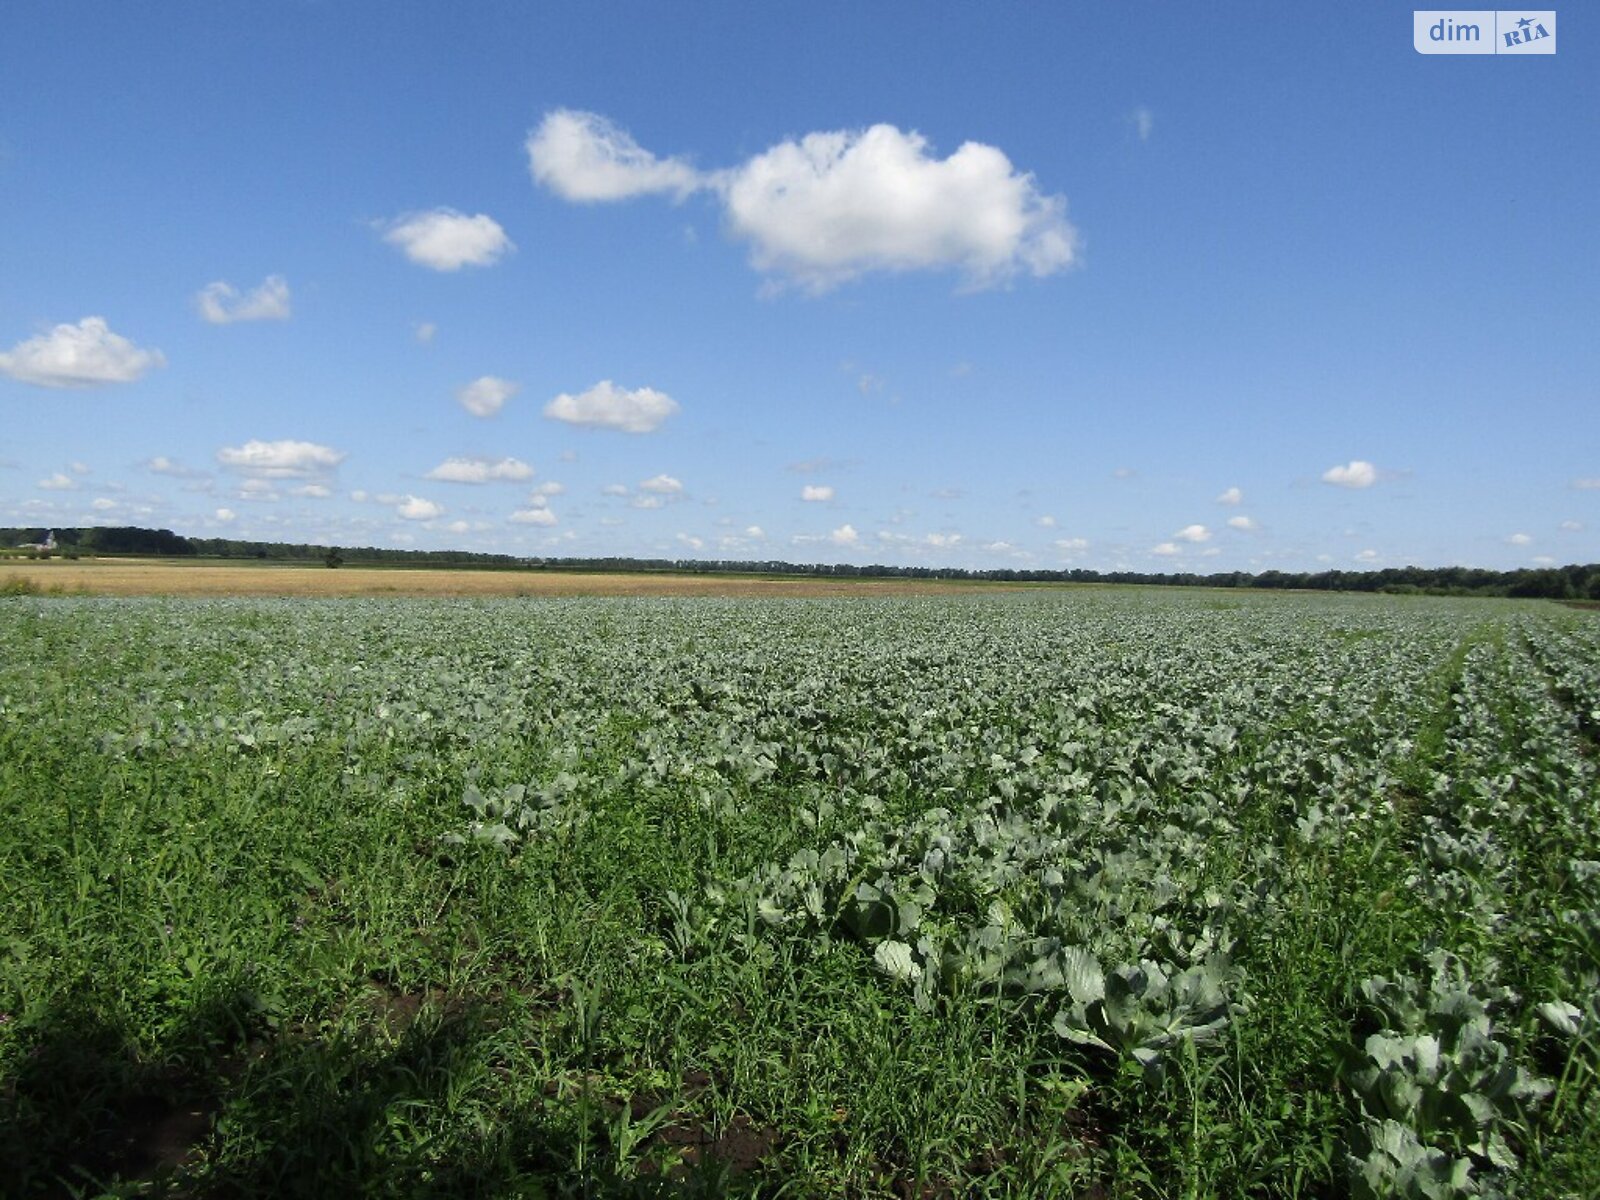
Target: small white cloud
[663,485]
[648,502]
[1165,549]
[581,156]
[693,543]
[1233,497]
[533,516]
[80,468]
[869,383]
[1245,523]
[481,470]
[1354,474]
[415,508]
[1367,556]
[313,491]
[1144,121]
[1045,522]
[162,465]
[459,526]
[550,488]
[101,504]
[486,395]
[222,304]
[607,406]
[845,535]
[59,482]
[1519,539]
[1193,533]
[446,240]
[83,355]
[1124,473]
[614,489]
[1572,526]
[1544,560]
[1583,485]
[284,459]
[226,514]
[257,489]
[816,493]
[753,531]
[424,332]
[1072,545]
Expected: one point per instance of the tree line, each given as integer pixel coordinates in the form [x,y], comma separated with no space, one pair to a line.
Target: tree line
[1573,582]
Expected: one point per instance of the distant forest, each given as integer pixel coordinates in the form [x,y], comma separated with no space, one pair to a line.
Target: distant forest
[1574,582]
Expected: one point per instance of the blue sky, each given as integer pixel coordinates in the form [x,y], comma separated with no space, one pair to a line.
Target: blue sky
[1156,287]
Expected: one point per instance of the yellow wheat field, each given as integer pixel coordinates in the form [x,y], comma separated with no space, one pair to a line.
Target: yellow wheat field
[154,577]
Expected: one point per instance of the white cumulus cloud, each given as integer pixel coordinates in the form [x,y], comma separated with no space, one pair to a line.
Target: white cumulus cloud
[1144,121]
[59,482]
[1572,526]
[222,304]
[1193,533]
[1354,474]
[481,470]
[1587,485]
[1519,539]
[415,508]
[664,485]
[816,493]
[1072,545]
[533,516]
[607,406]
[1165,549]
[1245,523]
[81,355]
[486,395]
[582,156]
[286,459]
[1233,497]
[845,535]
[834,205]
[550,488]
[226,514]
[446,240]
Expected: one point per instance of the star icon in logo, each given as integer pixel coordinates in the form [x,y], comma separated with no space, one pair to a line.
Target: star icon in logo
[1524,23]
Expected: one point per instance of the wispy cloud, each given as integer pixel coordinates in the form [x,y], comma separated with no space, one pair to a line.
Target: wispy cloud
[222,304]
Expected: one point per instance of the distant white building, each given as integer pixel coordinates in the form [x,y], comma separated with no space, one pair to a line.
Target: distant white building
[48,545]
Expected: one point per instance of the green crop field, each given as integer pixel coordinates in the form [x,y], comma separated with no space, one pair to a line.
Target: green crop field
[1093,893]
